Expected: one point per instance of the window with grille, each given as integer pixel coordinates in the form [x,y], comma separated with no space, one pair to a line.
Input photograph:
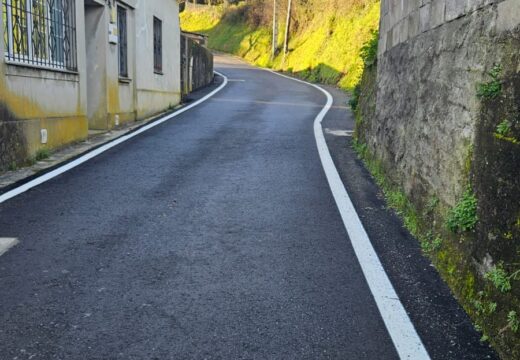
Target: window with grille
[157,45]
[123,42]
[40,32]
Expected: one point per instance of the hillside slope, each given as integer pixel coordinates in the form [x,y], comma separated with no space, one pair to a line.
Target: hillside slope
[325,42]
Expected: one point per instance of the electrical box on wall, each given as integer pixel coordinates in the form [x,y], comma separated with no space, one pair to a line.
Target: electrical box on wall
[43,136]
[112,34]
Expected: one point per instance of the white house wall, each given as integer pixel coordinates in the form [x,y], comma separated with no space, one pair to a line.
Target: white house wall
[156,92]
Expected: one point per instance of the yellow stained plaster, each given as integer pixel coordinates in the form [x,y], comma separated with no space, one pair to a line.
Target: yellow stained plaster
[63,128]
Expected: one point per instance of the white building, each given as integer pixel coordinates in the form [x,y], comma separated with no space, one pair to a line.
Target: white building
[74,65]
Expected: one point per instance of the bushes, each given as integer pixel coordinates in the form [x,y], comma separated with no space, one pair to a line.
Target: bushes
[369,50]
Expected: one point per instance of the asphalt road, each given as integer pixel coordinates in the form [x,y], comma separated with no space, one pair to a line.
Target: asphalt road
[212,236]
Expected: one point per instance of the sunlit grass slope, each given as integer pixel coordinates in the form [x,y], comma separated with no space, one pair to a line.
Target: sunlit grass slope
[325,48]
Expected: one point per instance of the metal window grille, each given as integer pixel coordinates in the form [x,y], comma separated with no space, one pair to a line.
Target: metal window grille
[123,42]
[40,32]
[157,45]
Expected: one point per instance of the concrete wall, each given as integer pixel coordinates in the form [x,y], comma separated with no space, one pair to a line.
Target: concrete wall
[405,19]
[432,55]
[197,65]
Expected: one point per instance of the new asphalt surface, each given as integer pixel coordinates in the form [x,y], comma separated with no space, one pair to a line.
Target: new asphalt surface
[215,236]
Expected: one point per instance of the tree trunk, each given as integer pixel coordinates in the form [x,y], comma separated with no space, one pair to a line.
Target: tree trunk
[275,31]
[287,29]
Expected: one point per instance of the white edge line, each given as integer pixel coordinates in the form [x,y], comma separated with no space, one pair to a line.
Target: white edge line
[92,154]
[404,336]
[6,244]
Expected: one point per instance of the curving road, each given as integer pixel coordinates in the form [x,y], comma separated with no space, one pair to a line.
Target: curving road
[211,236]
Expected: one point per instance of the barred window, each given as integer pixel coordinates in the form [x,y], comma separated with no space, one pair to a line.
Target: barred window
[40,32]
[157,45]
[123,41]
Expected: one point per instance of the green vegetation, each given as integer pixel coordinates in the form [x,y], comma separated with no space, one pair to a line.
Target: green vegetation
[513,322]
[325,45]
[483,307]
[504,132]
[499,278]
[354,100]
[42,154]
[504,128]
[429,246]
[493,88]
[369,49]
[396,199]
[368,54]
[463,217]
[13,166]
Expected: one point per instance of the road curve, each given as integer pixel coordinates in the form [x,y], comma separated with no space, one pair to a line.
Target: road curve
[211,236]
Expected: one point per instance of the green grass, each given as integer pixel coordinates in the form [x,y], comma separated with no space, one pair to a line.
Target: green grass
[327,49]
[395,198]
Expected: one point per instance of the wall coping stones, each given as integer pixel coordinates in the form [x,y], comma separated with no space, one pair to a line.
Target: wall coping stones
[402,20]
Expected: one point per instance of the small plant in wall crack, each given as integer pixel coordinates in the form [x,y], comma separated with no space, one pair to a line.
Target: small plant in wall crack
[42,154]
[499,278]
[504,128]
[483,307]
[430,245]
[463,217]
[492,88]
[503,132]
[513,322]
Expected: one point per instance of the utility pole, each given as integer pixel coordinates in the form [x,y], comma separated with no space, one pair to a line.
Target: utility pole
[287,29]
[275,31]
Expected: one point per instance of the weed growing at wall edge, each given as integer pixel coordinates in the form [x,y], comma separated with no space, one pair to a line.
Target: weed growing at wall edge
[463,217]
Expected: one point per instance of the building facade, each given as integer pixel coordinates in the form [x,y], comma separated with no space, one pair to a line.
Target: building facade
[71,66]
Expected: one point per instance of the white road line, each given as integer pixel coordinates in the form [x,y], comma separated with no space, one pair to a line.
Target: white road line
[404,336]
[341,133]
[92,154]
[6,244]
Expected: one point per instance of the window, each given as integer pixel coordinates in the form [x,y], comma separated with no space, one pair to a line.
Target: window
[157,45]
[123,42]
[40,32]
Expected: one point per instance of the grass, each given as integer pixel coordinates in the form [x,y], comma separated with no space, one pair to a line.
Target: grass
[395,198]
[42,154]
[325,49]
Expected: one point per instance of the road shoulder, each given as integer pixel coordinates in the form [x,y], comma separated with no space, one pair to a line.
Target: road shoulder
[444,327]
